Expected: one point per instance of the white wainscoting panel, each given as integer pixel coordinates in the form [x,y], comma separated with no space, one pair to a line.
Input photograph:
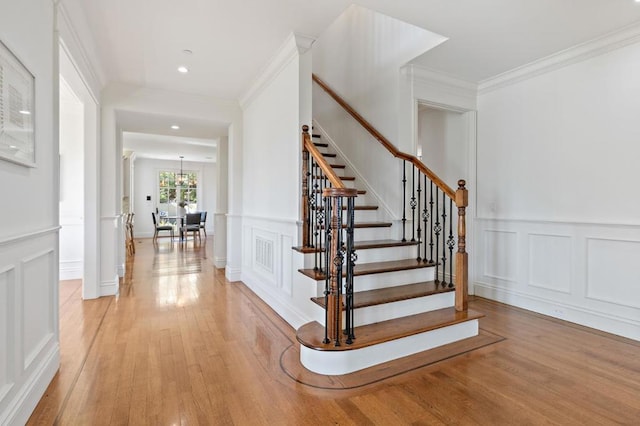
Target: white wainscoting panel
[550,262]
[270,267]
[587,273]
[500,254]
[613,271]
[7,312]
[29,340]
[37,312]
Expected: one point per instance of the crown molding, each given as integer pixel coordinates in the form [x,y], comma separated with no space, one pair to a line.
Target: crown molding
[294,45]
[442,89]
[581,52]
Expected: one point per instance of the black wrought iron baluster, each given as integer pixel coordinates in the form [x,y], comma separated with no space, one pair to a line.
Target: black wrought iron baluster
[432,225]
[327,280]
[451,243]
[404,199]
[436,230]
[338,262]
[313,209]
[419,230]
[413,203]
[351,257]
[320,206]
[444,240]
[425,218]
[310,196]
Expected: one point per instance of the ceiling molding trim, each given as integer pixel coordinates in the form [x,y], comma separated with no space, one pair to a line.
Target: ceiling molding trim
[77,52]
[294,46]
[599,46]
[437,88]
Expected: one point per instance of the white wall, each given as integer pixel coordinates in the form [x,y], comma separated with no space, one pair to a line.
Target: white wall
[29,338]
[71,184]
[442,134]
[557,227]
[146,183]
[360,56]
[274,109]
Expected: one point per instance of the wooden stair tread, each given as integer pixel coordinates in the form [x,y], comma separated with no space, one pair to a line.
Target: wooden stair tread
[341,177]
[367,225]
[321,144]
[374,268]
[329,155]
[315,135]
[360,191]
[338,166]
[363,245]
[312,334]
[362,299]
[364,207]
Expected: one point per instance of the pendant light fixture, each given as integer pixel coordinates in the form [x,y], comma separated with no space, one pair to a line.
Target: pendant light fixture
[181,178]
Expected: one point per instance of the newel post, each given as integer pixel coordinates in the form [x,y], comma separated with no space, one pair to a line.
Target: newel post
[462,258]
[306,221]
[336,259]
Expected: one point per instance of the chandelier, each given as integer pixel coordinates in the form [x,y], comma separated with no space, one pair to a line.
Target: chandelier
[181,178]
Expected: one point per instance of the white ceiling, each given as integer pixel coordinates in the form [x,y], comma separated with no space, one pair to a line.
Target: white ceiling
[169,147]
[142,41]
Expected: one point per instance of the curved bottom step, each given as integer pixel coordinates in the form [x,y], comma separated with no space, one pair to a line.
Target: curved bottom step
[331,360]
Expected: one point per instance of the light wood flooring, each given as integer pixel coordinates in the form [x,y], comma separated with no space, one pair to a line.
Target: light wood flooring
[183,346]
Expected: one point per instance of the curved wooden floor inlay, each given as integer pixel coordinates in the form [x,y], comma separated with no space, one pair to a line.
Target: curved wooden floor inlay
[290,364]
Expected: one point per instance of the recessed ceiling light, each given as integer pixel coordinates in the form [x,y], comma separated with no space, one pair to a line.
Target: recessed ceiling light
[24,112]
[13,147]
[183,69]
[175,127]
[189,52]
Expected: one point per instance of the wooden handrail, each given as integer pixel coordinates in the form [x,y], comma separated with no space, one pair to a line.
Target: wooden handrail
[385,142]
[320,160]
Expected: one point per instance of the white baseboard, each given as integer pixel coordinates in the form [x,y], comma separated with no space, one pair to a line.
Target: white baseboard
[20,408]
[233,274]
[110,288]
[220,262]
[589,318]
[71,270]
[285,309]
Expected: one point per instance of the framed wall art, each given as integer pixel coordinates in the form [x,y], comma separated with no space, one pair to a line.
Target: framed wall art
[17,110]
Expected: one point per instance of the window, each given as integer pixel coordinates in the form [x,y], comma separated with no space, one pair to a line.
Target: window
[175,191]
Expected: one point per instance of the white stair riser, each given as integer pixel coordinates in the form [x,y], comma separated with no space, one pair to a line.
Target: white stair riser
[393,310]
[386,254]
[374,255]
[387,279]
[369,234]
[345,362]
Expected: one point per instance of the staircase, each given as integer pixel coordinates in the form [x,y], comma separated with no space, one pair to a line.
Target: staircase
[380,295]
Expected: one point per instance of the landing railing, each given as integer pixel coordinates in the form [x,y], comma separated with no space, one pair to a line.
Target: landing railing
[428,206]
[328,221]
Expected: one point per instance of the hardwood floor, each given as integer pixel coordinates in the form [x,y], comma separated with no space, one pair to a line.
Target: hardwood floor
[181,345]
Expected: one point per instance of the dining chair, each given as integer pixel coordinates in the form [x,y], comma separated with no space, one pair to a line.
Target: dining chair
[158,228]
[191,224]
[203,222]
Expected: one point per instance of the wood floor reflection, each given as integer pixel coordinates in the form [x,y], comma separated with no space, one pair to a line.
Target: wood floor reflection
[183,346]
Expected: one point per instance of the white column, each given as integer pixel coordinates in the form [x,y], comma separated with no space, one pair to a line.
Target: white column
[234,217]
[220,218]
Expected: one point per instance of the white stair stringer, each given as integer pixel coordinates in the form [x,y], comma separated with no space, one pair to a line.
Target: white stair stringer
[349,361]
